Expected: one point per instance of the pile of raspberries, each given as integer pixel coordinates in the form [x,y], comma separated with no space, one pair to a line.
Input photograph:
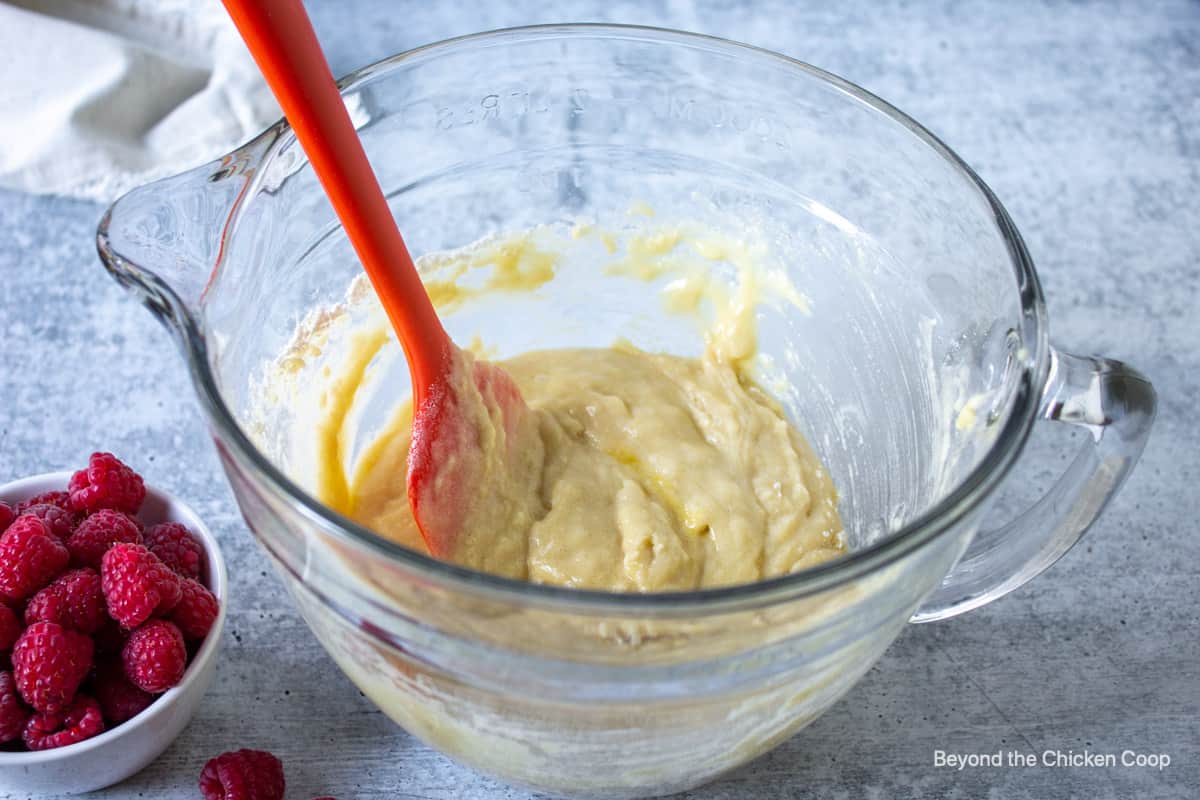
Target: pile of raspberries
[97,611]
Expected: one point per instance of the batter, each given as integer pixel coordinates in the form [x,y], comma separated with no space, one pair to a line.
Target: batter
[640,472]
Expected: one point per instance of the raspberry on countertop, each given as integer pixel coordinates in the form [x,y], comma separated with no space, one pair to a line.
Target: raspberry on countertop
[243,775]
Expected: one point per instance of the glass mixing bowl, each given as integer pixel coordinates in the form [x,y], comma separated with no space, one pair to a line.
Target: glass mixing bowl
[917,377]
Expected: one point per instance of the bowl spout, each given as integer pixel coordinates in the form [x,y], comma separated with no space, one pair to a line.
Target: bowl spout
[165,240]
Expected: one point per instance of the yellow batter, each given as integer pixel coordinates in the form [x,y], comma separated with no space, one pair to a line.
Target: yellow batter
[642,472]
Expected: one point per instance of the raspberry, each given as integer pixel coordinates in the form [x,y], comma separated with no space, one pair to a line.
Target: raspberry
[60,499]
[75,600]
[197,610]
[106,483]
[10,627]
[119,699]
[49,663]
[81,720]
[176,547]
[13,713]
[7,515]
[97,533]
[60,521]
[155,656]
[243,775]
[137,585]
[30,557]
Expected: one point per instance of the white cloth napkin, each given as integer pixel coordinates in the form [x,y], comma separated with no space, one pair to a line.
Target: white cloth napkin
[99,96]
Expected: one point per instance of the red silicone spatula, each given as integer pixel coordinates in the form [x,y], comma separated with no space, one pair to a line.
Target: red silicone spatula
[443,477]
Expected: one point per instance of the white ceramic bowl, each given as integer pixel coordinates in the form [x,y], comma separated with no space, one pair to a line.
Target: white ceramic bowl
[123,750]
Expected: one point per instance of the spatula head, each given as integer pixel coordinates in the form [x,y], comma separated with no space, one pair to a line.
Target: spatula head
[474,468]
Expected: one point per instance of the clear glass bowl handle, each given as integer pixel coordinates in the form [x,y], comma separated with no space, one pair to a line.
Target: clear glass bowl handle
[1115,404]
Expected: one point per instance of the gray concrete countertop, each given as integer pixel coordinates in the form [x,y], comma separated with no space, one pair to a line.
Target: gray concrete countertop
[1084,118]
